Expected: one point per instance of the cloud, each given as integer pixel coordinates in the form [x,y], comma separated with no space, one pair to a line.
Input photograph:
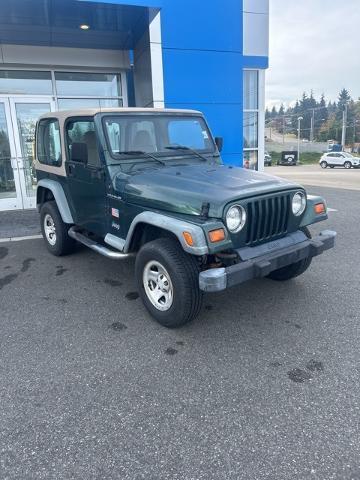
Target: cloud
[314,44]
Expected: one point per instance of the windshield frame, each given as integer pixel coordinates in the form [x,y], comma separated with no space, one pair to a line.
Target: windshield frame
[129,159]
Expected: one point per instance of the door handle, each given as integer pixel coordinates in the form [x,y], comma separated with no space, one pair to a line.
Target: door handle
[70,170]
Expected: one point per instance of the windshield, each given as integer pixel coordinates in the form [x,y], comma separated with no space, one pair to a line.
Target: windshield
[157,135]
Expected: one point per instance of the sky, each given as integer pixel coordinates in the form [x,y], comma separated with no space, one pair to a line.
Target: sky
[314,44]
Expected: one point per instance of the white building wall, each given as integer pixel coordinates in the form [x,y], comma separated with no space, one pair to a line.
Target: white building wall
[256,28]
[15,55]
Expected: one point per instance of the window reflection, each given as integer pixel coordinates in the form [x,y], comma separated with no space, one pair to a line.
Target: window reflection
[250,130]
[88,84]
[25,82]
[75,103]
[251,89]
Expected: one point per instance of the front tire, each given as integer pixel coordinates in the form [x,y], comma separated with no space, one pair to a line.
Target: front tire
[347,165]
[55,231]
[168,282]
[323,164]
[293,270]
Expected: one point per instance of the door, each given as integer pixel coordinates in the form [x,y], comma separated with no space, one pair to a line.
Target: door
[10,189]
[85,175]
[24,113]
[331,159]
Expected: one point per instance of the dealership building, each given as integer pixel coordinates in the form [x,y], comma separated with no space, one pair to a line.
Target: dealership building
[208,55]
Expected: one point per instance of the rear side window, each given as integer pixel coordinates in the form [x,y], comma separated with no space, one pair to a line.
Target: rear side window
[49,142]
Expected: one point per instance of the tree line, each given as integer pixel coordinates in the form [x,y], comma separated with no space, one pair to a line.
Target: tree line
[322,120]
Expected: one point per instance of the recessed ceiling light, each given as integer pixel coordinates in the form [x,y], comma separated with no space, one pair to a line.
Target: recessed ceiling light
[83,26]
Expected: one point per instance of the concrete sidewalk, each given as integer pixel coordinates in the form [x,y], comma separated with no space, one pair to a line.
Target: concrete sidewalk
[19,223]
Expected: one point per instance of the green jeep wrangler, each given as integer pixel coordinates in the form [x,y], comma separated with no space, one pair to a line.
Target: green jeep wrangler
[150,183]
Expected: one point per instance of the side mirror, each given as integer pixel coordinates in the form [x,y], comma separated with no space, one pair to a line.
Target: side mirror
[219,143]
[79,153]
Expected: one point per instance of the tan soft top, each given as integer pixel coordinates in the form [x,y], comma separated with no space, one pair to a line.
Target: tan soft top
[89,112]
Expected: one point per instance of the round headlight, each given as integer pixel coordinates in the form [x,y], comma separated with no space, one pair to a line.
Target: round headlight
[235,218]
[298,204]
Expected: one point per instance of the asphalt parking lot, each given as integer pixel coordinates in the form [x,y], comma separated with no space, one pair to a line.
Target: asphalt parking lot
[263,385]
[314,175]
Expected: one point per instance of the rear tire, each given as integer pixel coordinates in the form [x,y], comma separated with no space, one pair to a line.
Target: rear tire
[347,165]
[168,282]
[323,164]
[55,231]
[293,270]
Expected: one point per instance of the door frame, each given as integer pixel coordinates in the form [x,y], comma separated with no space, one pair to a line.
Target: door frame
[27,201]
[16,202]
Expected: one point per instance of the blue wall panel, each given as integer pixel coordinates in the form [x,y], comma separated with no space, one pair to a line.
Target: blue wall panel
[202,76]
[203,62]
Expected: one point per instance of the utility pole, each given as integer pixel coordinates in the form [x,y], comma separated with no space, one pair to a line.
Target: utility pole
[343,136]
[283,129]
[299,131]
[312,126]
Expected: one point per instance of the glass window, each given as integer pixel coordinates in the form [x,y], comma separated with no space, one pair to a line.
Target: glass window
[83,131]
[116,135]
[158,134]
[75,103]
[7,182]
[251,90]
[142,136]
[189,133]
[88,84]
[25,82]
[49,143]
[251,160]
[250,130]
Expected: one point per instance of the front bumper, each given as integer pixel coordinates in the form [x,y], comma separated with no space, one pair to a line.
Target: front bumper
[260,261]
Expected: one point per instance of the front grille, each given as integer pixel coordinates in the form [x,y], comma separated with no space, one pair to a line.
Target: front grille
[268,218]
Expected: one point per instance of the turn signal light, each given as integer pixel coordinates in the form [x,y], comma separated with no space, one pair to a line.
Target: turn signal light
[320,208]
[217,235]
[188,239]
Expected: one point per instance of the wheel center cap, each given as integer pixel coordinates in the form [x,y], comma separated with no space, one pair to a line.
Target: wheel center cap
[163,283]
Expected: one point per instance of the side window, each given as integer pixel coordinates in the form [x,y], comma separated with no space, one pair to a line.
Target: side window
[49,142]
[82,131]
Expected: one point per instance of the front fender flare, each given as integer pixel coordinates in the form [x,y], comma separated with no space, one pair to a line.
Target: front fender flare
[310,216]
[173,225]
[60,199]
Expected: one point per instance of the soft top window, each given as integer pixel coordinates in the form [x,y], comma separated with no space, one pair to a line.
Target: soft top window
[49,142]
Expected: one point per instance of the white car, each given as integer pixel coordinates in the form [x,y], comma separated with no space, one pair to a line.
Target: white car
[339,159]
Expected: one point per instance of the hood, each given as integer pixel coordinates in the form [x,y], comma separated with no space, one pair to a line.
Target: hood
[183,189]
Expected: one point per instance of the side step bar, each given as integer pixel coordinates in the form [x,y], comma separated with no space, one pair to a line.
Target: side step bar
[97,247]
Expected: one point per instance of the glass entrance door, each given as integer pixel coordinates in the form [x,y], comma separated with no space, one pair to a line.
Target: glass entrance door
[10,191]
[25,113]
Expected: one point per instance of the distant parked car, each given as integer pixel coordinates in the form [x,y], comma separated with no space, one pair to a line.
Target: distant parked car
[267,160]
[339,159]
[289,158]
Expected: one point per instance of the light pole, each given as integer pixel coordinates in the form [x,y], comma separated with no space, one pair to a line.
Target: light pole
[299,130]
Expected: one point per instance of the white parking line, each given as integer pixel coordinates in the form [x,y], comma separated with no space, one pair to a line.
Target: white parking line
[20,239]
[332,210]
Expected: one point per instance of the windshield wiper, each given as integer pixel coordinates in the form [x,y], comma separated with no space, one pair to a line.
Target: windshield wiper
[183,147]
[139,152]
